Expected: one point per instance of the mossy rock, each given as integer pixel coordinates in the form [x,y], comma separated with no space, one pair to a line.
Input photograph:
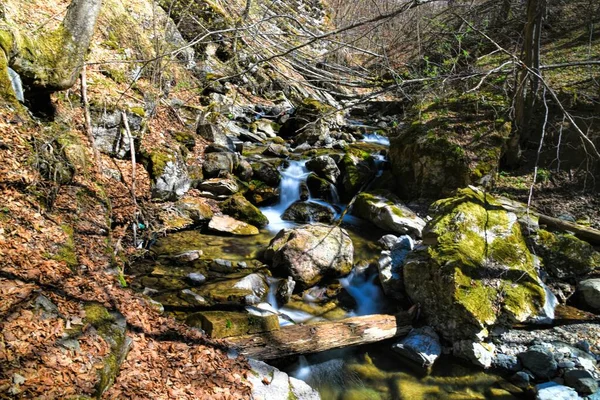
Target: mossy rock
[222,324]
[477,271]
[565,256]
[238,207]
[356,171]
[111,327]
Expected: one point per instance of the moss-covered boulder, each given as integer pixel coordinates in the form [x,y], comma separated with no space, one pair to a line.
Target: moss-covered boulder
[310,122]
[311,252]
[387,212]
[169,174]
[356,170]
[477,270]
[238,207]
[261,194]
[222,324]
[565,256]
[321,188]
[451,143]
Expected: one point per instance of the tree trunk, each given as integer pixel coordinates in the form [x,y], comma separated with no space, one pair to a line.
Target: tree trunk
[304,339]
[52,61]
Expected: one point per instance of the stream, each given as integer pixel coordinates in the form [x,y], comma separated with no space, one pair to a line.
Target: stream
[364,372]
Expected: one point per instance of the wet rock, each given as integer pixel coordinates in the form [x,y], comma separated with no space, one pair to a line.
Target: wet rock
[285,289]
[218,164]
[387,212]
[238,207]
[565,256]
[269,383]
[311,252]
[222,324]
[171,178]
[267,173]
[309,123]
[226,224]
[388,241]
[540,361]
[477,272]
[325,167]
[581,380]
[239,289]
[214,133]
[196,278]
[356,171]
[422,345]
[220,265]
[276,150]
[219,186]
[480,354]
[304,192]
[555,391]
[321,188]
[307,211]
[589,293]
[261,194]
[390,266]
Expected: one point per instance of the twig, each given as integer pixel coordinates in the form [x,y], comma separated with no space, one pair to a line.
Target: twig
[132,152]
[88,120]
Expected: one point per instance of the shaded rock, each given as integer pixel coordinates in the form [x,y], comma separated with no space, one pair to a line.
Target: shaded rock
[304,192]
[214,133]
[219,186]
[261,194]
[309,123]
[276,150]
[321,188]
[588,292]
[308,211]
[390,266]
[244,171]
[311,252]
[521,379]
[555,391]
[222,324]
[325,167]
[238,207]
[422,345]
[226,224]
[565,256]
[266,172]
[506,363]
[477,272]
[581,380]
[540,361]
[480,354]
[356,171]
[218,164]
[387,212]
[171,178]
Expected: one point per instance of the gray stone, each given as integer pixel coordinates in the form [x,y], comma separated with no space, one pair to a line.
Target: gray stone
[422,345]
[214,133]
[390,265]
[218,164]
[308,211]
[17,84]
[480,354]
[265,126]
[285,289]
[388,241]
[267,173]
[554,391]
[174,180]
[108,131]
[581,380]
[189,255]
[276,150]
[589,293]
[540,361]
[196,278]
[521,379]
[220,186]
[325,167]
[507,363]
[244,171]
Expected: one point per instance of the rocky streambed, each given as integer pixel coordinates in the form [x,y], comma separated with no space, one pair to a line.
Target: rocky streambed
[268,240]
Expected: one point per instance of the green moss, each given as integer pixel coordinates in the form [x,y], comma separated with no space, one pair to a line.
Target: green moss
[159,160]
[476,297]
[238,207]
[67,252]
[187,139]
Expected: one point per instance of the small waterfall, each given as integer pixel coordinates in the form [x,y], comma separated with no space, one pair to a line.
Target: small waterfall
[376,138]
[546,315]
[289,192]
[368,295]
[17,84]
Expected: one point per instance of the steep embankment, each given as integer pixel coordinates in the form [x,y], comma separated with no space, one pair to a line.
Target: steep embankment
[73,214]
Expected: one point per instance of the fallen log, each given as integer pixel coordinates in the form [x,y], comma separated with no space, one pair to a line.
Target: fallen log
[582,232]
[313,338]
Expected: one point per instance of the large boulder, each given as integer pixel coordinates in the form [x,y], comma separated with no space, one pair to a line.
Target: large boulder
[476,271]
[220,187]
[311,252]
[388,213]
[325,167]
[238,207]
[357,168]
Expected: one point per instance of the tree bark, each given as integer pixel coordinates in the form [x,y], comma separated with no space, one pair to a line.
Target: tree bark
[304,339]
[52,61]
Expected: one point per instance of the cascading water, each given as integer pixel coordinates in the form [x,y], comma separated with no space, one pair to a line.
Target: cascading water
[289,192]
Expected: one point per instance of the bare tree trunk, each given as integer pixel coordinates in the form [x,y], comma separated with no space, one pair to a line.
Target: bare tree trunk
[52,61]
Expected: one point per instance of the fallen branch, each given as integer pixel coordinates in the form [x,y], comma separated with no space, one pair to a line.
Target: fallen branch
[304,339]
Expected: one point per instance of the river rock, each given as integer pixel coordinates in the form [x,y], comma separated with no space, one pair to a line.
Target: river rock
[285,289]
[565,256]
[244,171]
[321,188]
[269,383]
[387,212]
[266,172]
[540,361]
[480,354]
[422,345]
[390,266]
[325,167]
[555,391]
[197,209]
[309,123]
[581,380]
[388,241]
[227,224]
[218,164]
[476,271]
[220,186]
[261,194]
[356,170]
[309,253]
[589,293]
[308,211]
[240,208]
[506,363]
[265,126]
[276,150]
